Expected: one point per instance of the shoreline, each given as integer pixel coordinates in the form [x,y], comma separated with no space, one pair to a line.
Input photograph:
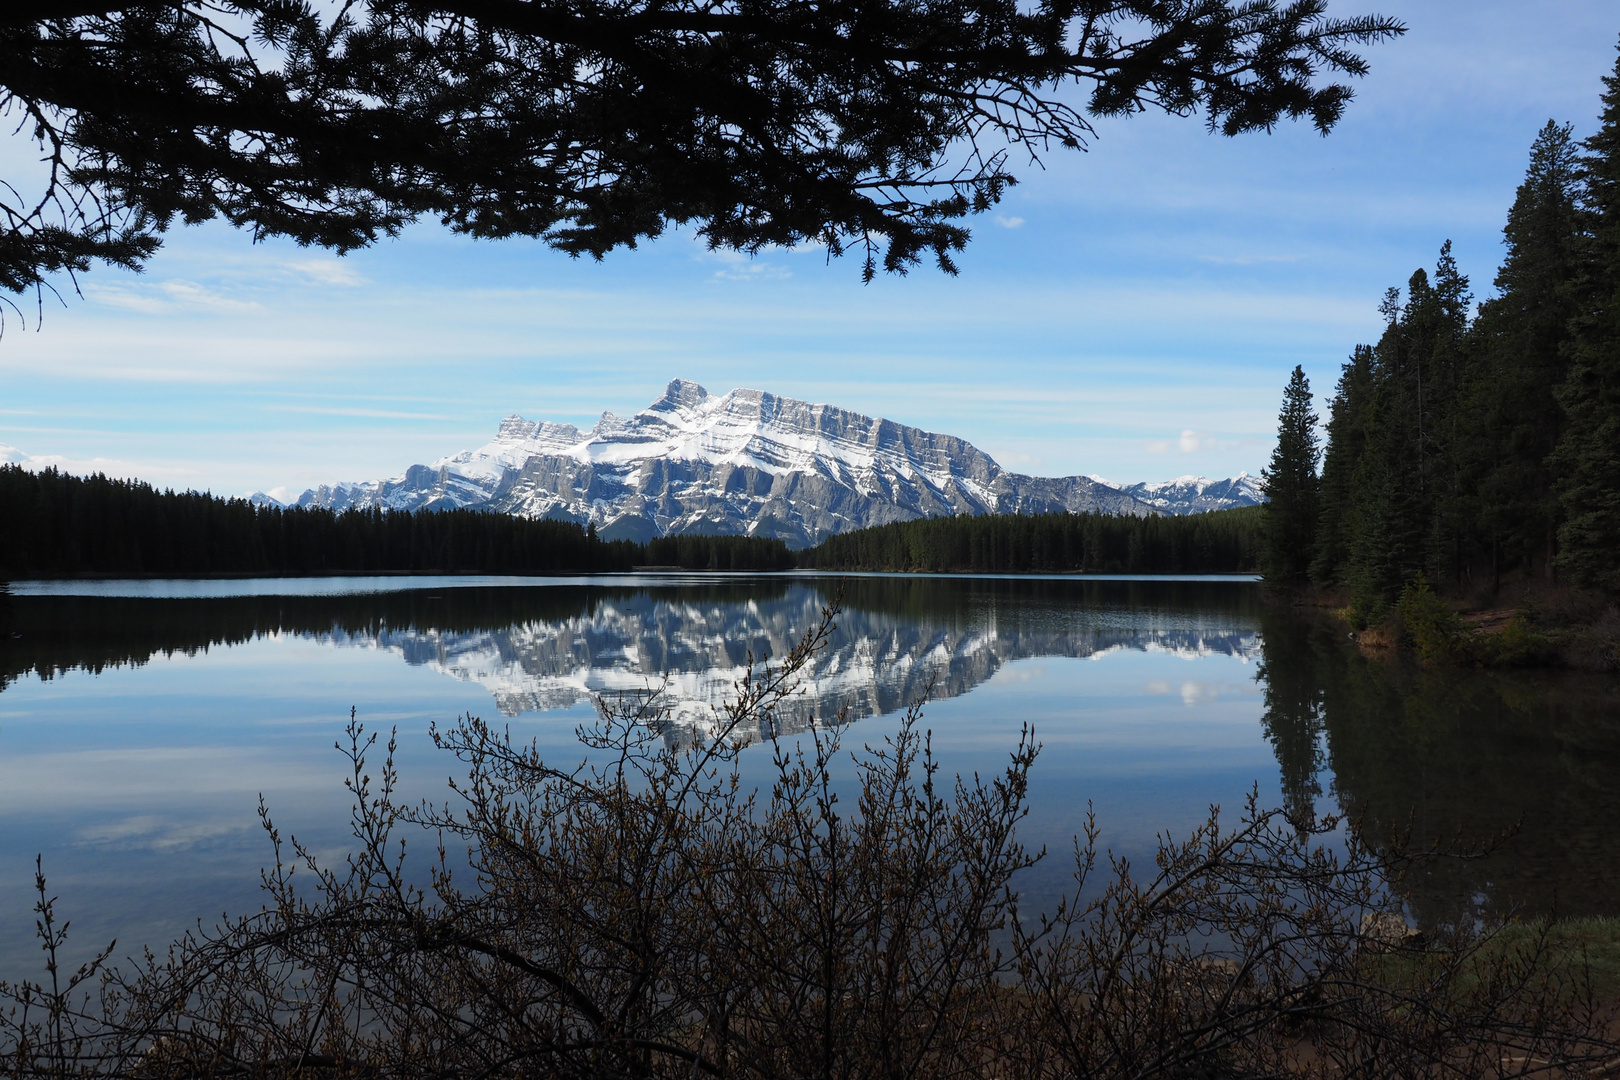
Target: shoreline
[1552,629]
[1099,575]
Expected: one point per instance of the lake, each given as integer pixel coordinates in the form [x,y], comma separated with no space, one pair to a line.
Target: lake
[141,722]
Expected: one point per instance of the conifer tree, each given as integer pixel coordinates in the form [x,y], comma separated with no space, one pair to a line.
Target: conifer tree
[1456,447]
[1392,478]
[1347,438]
[1291,488]
[1387,544]
[1588,455]
[1389,485]
[593,125]
[1445,355]
[1513,415]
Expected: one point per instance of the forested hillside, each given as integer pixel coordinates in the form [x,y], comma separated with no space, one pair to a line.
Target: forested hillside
[1479,447]
[1224,541]
[51,523]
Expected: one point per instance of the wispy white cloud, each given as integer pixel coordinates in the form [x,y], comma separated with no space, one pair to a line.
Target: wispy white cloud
[1191,442]
[1009,222]
[754,272]
[374,414]
[1188,442]
[166,296]
[1248,260]
[327,272]
[742,267]
[1017,459]
[125,297]
[191,294]
[128,470]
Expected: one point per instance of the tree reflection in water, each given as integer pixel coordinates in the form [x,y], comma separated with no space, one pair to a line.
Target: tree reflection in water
[1460,758]
[552,647]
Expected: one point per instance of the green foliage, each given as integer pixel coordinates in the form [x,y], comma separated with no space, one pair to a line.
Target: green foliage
[1441,638]
[700,552]
[1389,478]
[1574,956]
[1292,488]
[1517,644]
[51,523]
[1513,417]
[1470,450]
[1579,948]
[1226,541]
[1367,608]
[1430,625]
[1347,440]
[1588,455]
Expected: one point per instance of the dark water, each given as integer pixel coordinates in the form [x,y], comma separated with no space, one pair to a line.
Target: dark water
[141,722]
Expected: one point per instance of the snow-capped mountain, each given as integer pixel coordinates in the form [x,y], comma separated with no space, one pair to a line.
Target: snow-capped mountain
[746,462]
[1196,494]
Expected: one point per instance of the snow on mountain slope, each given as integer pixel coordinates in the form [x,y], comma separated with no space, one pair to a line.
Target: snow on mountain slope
[1196,494]
[746,462]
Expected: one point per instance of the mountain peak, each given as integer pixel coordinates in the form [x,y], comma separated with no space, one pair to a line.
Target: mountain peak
[680,394]
[515,427]
[750,463]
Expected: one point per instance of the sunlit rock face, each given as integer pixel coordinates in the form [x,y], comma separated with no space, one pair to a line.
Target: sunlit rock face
[743,463]
[695,651]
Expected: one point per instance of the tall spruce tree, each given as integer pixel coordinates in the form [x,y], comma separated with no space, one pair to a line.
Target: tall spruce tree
[1291,488]
[1405,475]
[1347,439]
[1522,347]
[1386,545]
[1392,476]
[1588,455]
[1445,358]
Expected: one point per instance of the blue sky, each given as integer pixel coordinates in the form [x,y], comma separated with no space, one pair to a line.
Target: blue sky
[1131,312]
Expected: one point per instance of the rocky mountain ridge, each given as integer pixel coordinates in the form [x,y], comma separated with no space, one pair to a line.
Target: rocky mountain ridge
[750,463]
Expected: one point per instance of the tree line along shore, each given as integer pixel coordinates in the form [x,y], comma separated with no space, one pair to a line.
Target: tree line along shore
[1467,502]
[56,524]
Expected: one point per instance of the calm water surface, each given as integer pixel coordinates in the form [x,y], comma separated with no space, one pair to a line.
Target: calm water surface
[141,722]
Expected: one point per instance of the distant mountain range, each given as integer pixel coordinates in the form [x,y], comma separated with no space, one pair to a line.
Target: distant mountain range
[751,463]
[1196,494]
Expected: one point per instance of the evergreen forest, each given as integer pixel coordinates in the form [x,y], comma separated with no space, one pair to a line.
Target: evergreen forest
[1474,448]
[52,523]
[1224,541]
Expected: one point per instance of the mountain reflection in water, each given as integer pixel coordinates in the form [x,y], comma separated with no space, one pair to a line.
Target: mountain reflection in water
[553,647]
[1452,757]
[696,648]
